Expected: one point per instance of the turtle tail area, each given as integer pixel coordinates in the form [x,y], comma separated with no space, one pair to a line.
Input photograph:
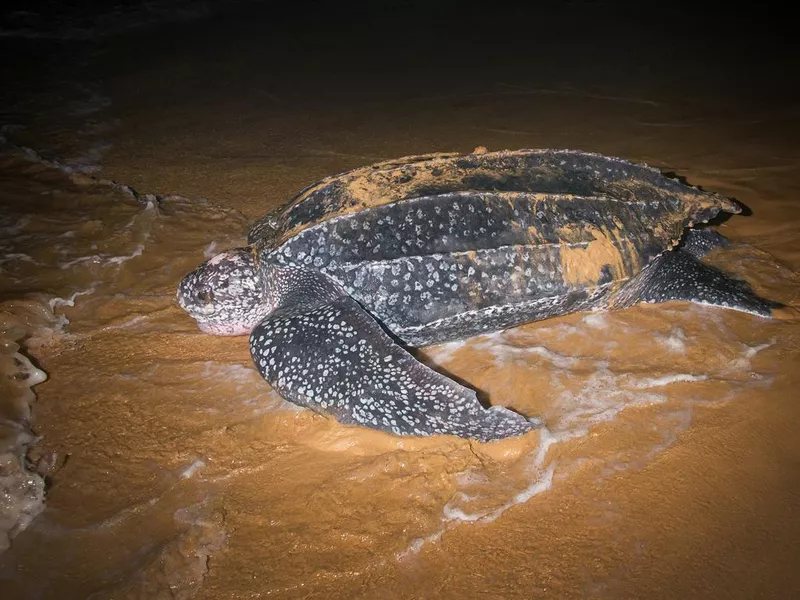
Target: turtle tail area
[679,275]
[724,204]
[700,207]
[334,358]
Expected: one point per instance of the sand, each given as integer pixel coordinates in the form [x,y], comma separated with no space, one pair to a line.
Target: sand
[668,467]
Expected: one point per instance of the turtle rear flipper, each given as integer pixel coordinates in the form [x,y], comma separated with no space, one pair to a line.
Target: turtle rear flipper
[678,275]
[331,356]
[699,242]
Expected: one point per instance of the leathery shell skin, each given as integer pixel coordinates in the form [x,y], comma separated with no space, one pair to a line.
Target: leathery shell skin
[546,233]
[539,171]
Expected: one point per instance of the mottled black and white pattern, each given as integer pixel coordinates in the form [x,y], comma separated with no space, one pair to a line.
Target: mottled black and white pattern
[451,266]
[225,294]
[442,247]
[678,275]
[699,242]
[333,357]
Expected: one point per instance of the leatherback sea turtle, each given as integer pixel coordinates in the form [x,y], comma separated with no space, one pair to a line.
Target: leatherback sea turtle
[440,247]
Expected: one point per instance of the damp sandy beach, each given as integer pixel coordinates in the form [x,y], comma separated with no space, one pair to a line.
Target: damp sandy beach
[141,458]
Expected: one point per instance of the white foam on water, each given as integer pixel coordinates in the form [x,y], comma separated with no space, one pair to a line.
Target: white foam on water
[497,344]
[453,515]
[743,363]
[537,486]
[418,543]
[21,494]
[58,302]
[675,341]
[751,351]
[105,258]
[600,399]
[647,383]
[195,466]
[445,352]
[541,481]
[595,320]
[130,322]
[118,260]
[21,487]
[574,412]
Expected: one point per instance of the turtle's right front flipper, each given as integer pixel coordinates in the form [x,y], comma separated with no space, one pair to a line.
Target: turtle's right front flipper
[333,357]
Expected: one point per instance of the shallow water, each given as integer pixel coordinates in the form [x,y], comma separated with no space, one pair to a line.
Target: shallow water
[666,465]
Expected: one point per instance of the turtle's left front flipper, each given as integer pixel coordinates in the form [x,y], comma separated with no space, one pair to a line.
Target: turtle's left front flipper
[331,356]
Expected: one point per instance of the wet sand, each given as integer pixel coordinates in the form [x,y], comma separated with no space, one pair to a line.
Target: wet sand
[668,465]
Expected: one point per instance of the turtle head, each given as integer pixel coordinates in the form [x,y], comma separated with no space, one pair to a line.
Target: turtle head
[225,295]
